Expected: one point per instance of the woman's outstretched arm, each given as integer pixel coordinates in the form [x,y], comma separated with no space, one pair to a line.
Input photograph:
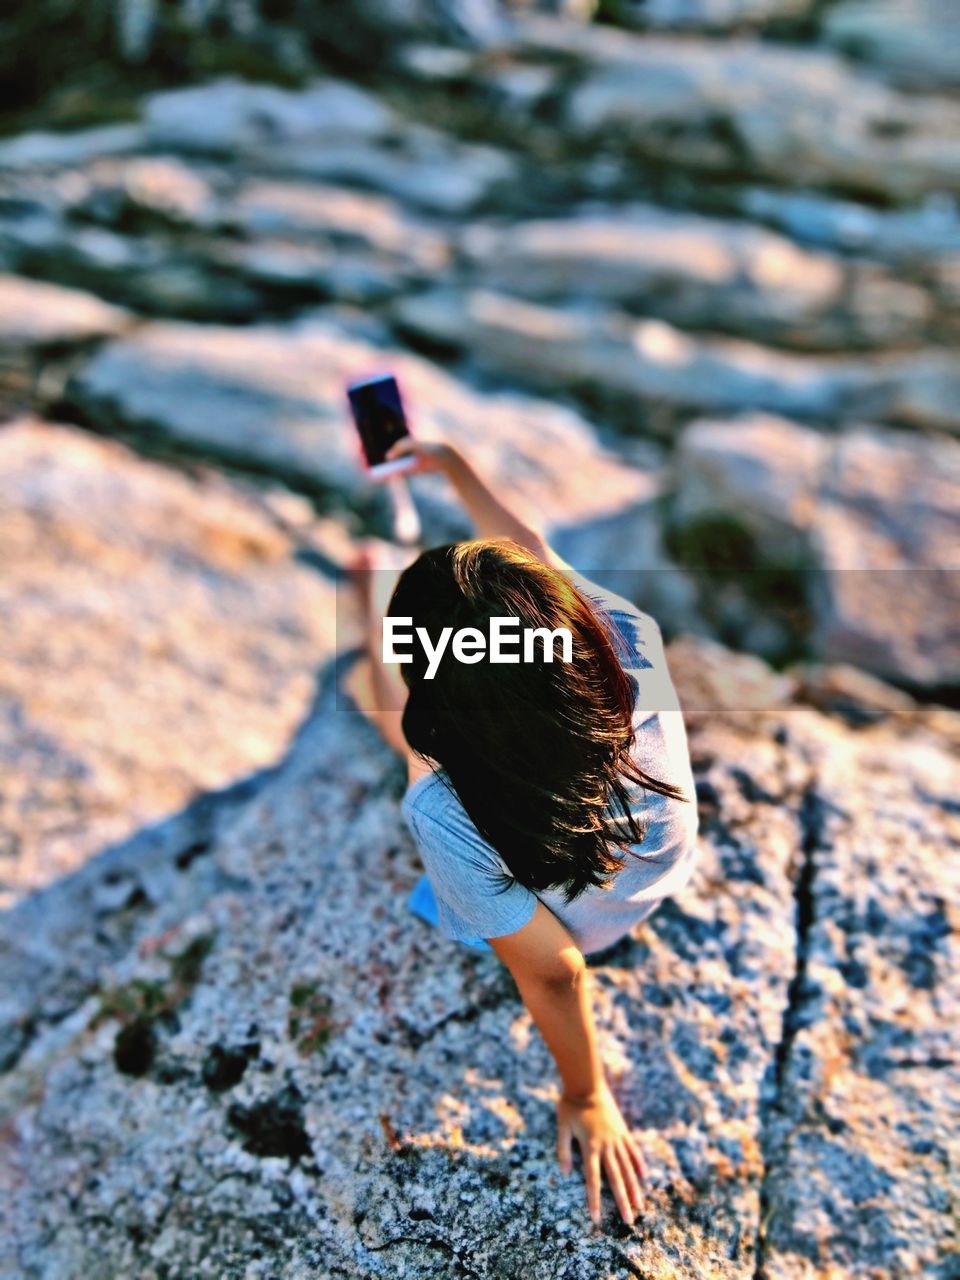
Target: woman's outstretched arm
[554,983]
[490,517]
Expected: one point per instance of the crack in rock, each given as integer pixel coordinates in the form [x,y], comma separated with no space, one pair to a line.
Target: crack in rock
[429,1242]
[810,815]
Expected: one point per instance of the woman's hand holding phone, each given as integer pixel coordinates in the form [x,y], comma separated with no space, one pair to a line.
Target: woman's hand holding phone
[489,516]
[423,455]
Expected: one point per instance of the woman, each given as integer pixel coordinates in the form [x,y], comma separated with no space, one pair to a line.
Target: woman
[552,802]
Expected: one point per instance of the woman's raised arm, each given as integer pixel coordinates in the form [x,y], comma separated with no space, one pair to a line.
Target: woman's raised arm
[490,517]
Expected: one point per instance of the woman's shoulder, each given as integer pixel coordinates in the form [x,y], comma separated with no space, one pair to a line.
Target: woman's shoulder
[608,597]
[637,634]
[432,797]
[419,795]
[444,831]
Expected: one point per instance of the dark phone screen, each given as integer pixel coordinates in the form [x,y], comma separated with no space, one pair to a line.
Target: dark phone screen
[379,416]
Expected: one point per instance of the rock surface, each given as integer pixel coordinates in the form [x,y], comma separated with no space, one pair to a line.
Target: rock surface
[859,1178]
[231,115]
[45,315]
[705,15]
[798,116]
[651,376]
[39,323]
[42,150]
[365,1098]
[159,640]
[241,247]
[867,523]
[702,273]
[917,44]
[331,131]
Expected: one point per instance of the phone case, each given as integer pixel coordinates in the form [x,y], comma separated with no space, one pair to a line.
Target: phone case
[378,470]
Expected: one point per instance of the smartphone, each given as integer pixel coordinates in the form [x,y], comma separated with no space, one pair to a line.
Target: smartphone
[380,422]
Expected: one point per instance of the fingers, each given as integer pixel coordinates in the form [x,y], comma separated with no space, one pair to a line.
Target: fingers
[565,1147]
[633,1151]
[592,1176]
[611,1165]
[629,1173]
[400,448]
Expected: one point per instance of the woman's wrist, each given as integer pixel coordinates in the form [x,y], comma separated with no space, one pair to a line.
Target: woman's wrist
[452,462]
[582,1094]
[584,1099]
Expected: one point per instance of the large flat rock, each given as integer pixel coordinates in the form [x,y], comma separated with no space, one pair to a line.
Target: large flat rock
[712,16]
[701,272]
[159,639]
[860,1167]
[230,115]
[321,1076]
[747,109]
[649,375]
[922,242]
[329,131]
[42,150]
[43,327]
[868,520]
[888,536]
[915,43]
[421,1110]
[34,315]
[226,1046]
[195,239]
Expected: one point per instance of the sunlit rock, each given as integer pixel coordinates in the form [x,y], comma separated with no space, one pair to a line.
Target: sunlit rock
[159,639]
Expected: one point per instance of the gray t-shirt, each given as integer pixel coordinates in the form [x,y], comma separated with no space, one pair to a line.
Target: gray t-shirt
[465,871]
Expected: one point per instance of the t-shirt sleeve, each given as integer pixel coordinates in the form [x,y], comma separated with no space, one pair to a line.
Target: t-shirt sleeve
[474,900]
[639,644]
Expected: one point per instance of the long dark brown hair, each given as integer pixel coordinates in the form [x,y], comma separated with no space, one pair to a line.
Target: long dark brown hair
[540,754]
